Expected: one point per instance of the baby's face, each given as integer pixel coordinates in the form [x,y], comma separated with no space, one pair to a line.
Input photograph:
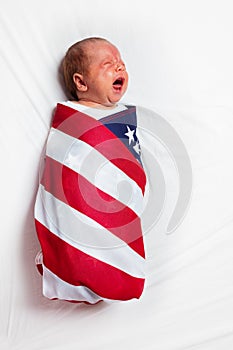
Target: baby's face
[107,78]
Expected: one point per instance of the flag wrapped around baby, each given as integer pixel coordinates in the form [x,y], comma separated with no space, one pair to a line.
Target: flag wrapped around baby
[88,206]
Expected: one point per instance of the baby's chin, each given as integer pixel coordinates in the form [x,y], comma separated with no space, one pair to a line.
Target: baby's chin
[109,101]
[116,96]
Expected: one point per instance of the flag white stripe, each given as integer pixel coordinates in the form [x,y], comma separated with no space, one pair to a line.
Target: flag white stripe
[85,234]
[78,156]
[54,287]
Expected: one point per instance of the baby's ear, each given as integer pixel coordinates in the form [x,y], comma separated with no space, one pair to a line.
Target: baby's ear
[79,82]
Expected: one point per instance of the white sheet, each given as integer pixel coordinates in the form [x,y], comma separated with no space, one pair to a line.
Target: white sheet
[179,56]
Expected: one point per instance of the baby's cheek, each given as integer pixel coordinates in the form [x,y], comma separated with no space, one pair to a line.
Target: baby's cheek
[110,73]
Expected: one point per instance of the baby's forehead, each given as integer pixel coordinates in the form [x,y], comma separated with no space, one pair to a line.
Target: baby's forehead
[102,49]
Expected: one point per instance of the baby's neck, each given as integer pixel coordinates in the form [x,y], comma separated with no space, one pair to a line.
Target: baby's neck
[95,104]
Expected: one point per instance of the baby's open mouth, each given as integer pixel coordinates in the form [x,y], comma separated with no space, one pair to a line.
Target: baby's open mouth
[118,83]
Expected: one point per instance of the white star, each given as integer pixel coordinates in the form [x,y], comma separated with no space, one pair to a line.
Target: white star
[137,148]
[129,134]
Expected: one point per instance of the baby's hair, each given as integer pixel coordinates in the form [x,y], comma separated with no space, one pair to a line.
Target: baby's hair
[77,60]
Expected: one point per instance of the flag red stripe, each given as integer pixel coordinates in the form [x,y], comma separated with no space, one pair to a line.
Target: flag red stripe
[78,268]
[77,192]
[99,136]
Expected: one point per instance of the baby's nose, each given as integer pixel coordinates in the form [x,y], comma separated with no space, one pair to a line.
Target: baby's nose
[120,66]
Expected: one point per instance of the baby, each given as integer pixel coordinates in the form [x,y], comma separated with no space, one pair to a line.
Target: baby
[90,198]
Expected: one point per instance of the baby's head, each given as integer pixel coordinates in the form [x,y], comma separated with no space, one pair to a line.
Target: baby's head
[94,73]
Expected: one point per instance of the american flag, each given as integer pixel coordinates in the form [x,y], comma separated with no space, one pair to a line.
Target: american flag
[88,207]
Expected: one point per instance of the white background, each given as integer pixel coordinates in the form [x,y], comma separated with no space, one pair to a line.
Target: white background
[179,55]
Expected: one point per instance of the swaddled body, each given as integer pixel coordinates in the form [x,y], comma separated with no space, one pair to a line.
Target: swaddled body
[90,197]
